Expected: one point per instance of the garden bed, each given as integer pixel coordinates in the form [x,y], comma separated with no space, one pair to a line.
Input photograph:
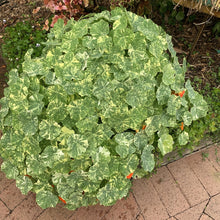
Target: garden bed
[126,135]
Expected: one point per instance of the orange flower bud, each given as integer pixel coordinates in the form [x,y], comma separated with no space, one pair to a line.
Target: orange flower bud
[182,126]
[129,176]
[181,93]
[28,176]
[62,200]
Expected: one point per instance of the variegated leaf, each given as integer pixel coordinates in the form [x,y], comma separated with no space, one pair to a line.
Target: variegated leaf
[165,144]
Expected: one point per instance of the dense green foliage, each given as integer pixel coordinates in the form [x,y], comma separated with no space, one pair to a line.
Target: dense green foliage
[18,39]
[100,103]
[168,14]
[211,123]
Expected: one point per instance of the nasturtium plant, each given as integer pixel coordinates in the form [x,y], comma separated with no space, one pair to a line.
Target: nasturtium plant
[95,110]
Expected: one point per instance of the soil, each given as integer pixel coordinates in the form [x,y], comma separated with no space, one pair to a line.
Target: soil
[203,60]
[2,77]
[20,10]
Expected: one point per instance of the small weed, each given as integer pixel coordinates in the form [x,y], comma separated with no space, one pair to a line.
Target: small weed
[217,158]
[205,155]
[211,123]
[33,3]
[216,29]
[211,61]
[18,39]
[195,52]
[167,12]
[197,79]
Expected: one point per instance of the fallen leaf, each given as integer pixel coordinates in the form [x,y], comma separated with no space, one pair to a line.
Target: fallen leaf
[46,25]
[144,7]
[86,3]
[179,50]
[36,10]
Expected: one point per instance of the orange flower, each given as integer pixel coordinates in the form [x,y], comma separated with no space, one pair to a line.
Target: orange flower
[182,126]
[36,10]
[129,176]
[71,171]
[62,200]
[144,126]
[181,93]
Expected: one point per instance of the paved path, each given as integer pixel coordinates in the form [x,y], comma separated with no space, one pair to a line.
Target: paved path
[187,189]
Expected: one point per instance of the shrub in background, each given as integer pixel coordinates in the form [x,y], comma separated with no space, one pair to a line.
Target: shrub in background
[18,39]
[210,123]
[96,109]
[64,9]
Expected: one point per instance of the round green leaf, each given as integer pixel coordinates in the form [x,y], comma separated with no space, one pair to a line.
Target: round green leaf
[165,144]
[115,189]
[187,118]
[129,164]
[57,111]
[46,199]
[50,155]
[99,28]
[163,94]
[49,129]
[10,170]
[147,158]
[140,141]
[24,184]
[183,138]
[125,144]
[174,103]
[199,111]
[77,145]
[169,75]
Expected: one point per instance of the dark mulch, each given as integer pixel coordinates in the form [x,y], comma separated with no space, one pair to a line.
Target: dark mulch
[20,10]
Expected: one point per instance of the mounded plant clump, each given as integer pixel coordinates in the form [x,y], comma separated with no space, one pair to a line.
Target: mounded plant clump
[104,98]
